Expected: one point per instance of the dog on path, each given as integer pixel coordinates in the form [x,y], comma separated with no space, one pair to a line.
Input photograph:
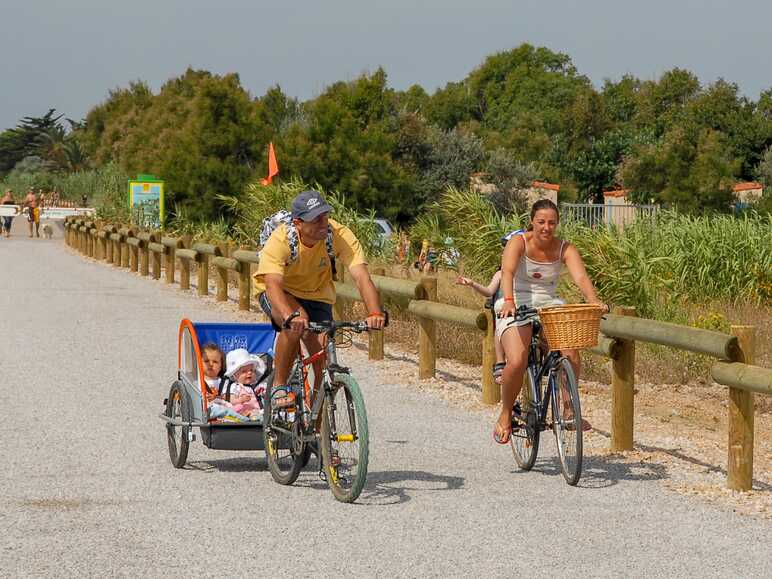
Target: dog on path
[48,232]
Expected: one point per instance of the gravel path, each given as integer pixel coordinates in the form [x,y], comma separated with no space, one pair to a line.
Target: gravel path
[89,490]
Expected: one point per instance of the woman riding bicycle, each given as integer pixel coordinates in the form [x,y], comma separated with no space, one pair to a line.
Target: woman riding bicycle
[530,268]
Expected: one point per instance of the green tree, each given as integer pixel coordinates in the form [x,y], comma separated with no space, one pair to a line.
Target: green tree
[690,169]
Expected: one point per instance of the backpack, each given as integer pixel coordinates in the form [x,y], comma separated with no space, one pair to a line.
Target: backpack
[272,223]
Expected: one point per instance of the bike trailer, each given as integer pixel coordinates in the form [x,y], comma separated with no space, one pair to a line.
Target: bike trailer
[187,405]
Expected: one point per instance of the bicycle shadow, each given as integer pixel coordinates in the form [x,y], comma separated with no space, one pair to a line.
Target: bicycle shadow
[677,454]
[385,488]
[238,464]
[602,471]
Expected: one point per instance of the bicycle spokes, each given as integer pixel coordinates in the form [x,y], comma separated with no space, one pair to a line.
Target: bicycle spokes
[525,424]
[345,439]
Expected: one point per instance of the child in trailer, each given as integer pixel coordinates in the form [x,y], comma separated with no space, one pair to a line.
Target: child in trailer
[241,391]
[213,358]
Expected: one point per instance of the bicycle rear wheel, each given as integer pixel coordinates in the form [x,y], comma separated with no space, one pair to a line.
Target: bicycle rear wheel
[281,448]
[525,431]
[567,420]
[345,439]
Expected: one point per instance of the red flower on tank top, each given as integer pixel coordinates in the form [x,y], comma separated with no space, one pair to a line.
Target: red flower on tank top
[536,275]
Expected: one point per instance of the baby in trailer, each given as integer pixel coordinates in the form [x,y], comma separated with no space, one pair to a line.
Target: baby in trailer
[243,369]
[231,395]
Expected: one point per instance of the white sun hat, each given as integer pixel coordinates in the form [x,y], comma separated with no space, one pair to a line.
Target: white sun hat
[238,358]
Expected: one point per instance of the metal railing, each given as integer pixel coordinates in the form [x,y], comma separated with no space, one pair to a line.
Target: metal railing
[606,215]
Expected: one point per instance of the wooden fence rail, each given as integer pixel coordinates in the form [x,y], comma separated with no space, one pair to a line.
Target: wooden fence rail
[125,247]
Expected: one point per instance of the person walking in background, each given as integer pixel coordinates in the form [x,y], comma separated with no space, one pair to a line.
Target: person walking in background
[7,219]
[33,211]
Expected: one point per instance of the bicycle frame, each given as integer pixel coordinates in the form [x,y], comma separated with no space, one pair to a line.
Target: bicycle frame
[310,419]
[541,369]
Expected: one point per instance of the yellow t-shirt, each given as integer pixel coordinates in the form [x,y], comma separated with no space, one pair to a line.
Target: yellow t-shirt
[310,276]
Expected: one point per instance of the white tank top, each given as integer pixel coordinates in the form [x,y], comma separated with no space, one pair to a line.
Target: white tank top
[535,283]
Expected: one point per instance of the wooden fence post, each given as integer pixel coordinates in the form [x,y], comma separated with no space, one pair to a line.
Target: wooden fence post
[245,284]
[116,241]
[221,277]
[222,284]
[622,391]
[375,339]
[202,278]
[427,334]
[185,265]
[144,258]
[155,257]
[124,251]
[170,261]
[108,248]
[100,241]
[134,257]
[741,408]
[491,392]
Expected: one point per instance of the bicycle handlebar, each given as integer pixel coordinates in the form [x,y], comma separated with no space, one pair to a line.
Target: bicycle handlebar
[324,327]
[524,312]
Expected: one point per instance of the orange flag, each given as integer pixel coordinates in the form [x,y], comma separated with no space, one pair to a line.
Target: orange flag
[273,166]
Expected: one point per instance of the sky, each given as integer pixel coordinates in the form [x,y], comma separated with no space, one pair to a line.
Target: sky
[69,54]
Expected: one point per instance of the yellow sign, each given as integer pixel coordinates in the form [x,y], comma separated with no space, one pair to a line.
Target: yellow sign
[146,201]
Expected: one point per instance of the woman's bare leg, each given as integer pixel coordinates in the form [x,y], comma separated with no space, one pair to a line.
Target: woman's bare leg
[515,343]
[499,349]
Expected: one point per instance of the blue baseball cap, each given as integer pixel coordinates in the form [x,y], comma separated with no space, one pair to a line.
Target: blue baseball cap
[309,205]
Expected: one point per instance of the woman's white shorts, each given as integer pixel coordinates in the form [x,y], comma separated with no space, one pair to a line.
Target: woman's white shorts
[503,324]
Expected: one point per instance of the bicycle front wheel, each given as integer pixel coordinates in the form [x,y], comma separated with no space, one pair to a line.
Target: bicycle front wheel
[178,437]
[567,420]
[345,439]
[525,429]
[285,456]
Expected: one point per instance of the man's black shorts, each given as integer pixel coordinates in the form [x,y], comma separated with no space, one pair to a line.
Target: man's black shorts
[317,311]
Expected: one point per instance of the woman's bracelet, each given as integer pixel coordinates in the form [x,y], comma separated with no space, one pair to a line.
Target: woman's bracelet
[509,300]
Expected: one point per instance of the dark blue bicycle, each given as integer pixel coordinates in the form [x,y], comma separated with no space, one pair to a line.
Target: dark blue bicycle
[561,396]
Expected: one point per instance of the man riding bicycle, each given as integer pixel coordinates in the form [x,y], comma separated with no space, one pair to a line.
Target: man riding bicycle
[295,284]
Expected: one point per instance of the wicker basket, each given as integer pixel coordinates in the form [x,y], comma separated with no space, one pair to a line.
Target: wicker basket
[572,326]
